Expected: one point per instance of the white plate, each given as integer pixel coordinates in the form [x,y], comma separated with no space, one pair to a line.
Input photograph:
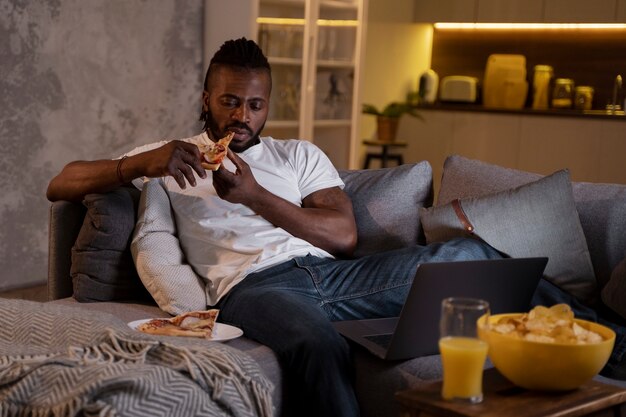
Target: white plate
[220,333]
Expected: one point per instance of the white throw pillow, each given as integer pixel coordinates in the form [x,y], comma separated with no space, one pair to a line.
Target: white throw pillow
[159,258]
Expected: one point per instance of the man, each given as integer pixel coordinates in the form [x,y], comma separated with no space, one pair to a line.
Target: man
[271,232]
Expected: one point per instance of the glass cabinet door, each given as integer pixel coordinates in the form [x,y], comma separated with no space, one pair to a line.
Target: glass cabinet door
[314,48]
[336,108]
[281,28]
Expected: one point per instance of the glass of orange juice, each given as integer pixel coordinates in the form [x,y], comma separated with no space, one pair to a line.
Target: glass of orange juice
[463,354]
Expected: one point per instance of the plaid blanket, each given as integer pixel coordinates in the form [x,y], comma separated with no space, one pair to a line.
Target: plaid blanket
[65,361]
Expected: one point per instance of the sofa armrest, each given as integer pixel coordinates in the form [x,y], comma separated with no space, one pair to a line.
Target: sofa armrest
[65,221]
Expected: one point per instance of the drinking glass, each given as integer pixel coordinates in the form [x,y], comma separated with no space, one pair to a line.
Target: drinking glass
[463,354]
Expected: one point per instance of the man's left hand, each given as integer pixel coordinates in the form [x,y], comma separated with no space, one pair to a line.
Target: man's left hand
[236,187]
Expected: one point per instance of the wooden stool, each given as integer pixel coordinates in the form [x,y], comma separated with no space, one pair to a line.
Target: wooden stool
[384,156]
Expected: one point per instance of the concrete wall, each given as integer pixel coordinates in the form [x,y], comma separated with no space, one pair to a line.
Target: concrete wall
[84,79]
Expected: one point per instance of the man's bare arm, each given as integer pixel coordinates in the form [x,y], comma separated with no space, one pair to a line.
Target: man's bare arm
[79,178]
[326,218]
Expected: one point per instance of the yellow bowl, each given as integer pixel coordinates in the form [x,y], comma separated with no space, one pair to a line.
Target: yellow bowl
[547,366]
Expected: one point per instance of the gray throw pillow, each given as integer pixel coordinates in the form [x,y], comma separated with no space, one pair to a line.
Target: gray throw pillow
[614,292]
[601,207]
[386,203]
[536,219]
[102,266]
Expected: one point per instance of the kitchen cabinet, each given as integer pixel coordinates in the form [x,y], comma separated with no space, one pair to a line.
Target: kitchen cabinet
[315,50]
[427,11]
[509,11]
[521,11]
[620,16]
[580,11]
[592,149]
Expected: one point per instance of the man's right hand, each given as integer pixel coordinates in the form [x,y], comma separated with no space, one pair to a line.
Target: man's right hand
[177,159]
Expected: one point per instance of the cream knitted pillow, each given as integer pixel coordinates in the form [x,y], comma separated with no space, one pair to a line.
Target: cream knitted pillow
[159,258]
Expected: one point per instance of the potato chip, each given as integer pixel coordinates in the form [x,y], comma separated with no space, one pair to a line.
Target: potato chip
[550,325]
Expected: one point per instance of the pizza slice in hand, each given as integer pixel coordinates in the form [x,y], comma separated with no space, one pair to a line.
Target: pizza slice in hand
[191,324]
[213,153]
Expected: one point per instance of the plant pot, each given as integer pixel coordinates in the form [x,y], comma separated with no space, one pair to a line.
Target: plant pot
[387,128]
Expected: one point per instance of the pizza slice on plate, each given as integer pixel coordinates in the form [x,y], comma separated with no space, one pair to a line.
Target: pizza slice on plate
[191,324]
[213,153]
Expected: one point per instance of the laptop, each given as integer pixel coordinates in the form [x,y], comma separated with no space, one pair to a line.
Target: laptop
[507,284]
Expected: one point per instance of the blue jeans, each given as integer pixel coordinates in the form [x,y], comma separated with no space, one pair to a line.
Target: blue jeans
[290,308]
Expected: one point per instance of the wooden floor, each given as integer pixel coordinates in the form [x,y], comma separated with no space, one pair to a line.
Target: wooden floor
[38,293]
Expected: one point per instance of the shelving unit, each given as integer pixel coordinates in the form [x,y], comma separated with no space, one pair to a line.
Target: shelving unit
[520,11]
[315,49]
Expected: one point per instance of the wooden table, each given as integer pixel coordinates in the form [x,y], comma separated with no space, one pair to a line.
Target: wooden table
[384,156]
[503,399]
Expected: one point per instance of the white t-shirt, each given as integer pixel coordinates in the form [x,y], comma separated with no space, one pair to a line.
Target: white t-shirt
[223,242]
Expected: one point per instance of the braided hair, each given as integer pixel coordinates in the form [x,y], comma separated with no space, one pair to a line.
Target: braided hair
[238,53]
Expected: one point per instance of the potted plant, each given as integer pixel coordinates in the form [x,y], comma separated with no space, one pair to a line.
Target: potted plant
[388,118]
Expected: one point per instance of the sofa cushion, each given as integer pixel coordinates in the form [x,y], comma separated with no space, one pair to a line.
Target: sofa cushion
[601,207]
[386,203]
[614,292]
[535,219]
[102,268]
[159,258]
[602,212]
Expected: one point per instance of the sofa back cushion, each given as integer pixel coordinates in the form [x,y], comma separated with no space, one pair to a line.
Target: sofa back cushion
[601,207]
[602,212]
[386,205]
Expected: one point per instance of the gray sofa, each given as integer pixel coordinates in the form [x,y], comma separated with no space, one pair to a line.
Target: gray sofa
[90,265]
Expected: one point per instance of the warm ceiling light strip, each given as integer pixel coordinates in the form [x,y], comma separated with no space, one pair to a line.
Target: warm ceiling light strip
[327,22]
[300,22]
[526,26]
[280,21]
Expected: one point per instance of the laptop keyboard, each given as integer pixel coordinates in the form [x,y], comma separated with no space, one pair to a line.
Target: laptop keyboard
[382,340]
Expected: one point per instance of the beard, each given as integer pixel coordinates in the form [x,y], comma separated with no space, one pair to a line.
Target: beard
[211,126]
